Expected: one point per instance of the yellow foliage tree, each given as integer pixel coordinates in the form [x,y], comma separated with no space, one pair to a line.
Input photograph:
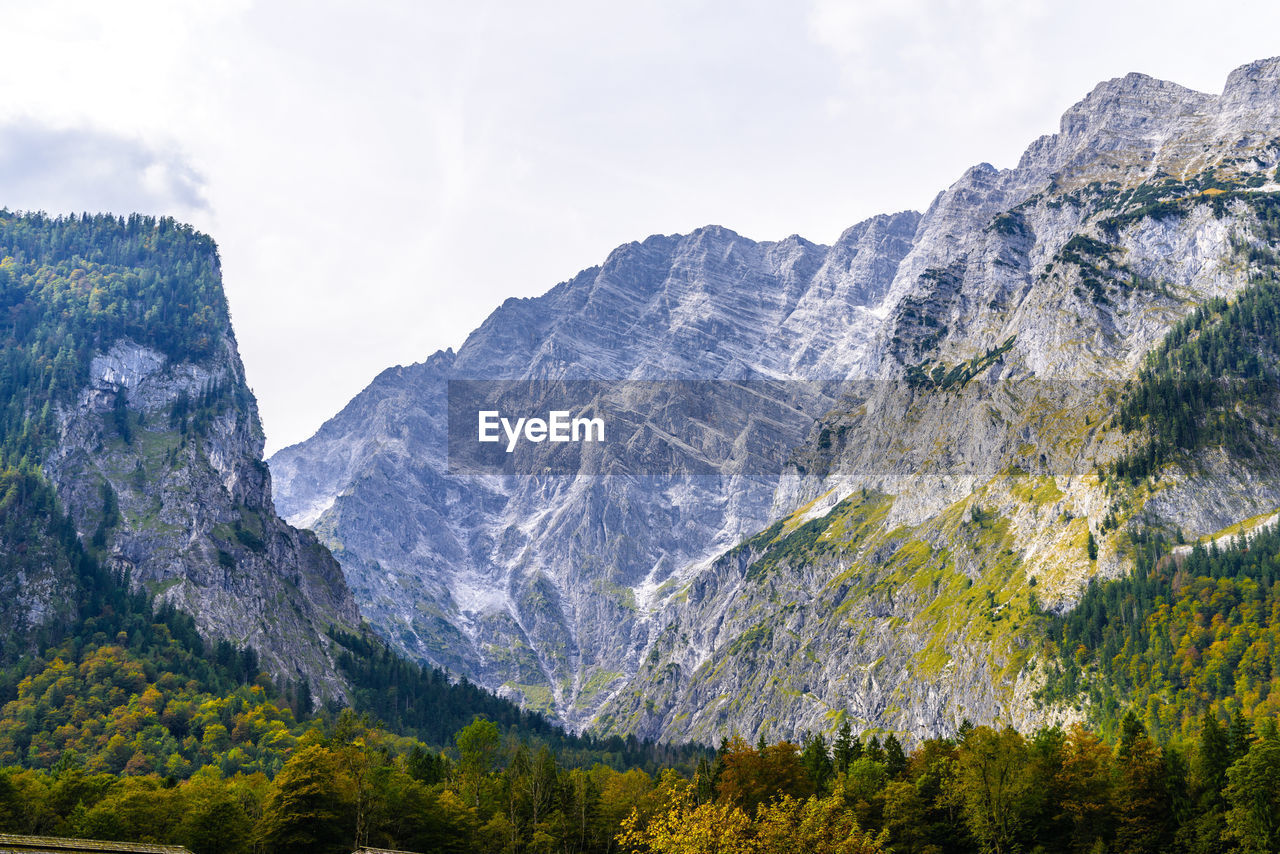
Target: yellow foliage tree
[814,825]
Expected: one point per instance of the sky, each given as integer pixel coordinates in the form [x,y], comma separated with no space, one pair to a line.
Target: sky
[379,176]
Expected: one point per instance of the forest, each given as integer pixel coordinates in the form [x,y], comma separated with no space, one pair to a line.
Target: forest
[1183,635]
[982,790]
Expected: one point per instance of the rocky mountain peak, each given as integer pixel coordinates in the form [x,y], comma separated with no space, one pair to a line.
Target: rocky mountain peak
[1132,99]
[1256,84]
[1127,118]
[631,602]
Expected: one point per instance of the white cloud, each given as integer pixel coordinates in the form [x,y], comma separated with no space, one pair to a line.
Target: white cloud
[86,169]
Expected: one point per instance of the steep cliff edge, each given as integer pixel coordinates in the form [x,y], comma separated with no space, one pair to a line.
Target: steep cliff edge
[129,396]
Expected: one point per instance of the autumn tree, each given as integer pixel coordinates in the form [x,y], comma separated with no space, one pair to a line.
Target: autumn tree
[1143,800]
[816,825]
[750,776]
[683,826]
[993,787]
[310,807]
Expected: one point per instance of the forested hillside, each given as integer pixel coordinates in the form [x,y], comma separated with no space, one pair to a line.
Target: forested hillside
[70,287]
[1182,636]
[984,790]
[112,698]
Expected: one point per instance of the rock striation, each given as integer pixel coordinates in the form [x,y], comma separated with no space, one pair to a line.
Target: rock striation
[892,574]
[158,461]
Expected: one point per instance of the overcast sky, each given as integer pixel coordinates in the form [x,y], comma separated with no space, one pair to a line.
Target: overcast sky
[380,175]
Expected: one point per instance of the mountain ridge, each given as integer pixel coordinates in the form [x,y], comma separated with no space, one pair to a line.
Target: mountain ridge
[1079,260]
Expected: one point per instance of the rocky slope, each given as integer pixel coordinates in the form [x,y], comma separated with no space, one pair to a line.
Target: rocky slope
[154,447]
[195,519]
[533,585]
[951,493]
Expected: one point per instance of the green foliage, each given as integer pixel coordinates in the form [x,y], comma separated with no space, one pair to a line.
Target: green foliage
[994,787]
[307,810]
[799,546]
[123,685]
[128,686]
[1010,224]
[1253,792]
[987,789]
[845,525]
[1179,638]
[816,761]
[1213,380]
[940,377]
[424,702]
[70,287]
[1168,198]
[1096,263]
[918,329]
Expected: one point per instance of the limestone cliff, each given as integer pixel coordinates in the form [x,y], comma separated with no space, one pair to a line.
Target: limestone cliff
[895,573]
[128,393]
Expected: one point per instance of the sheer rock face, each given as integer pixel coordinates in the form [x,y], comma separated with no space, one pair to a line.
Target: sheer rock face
[621,602]
[196,520]
[538,586]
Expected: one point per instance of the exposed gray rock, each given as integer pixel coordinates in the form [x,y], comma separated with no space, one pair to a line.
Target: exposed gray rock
[197,525]
[621,602]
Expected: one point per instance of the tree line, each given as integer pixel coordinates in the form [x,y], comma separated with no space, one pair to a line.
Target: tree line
[985,789]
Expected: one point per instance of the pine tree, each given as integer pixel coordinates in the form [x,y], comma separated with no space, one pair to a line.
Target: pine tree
[1212,760]
[816,761]
[895,759]
[1239,736]
[842,749]
[874,751]
[1253,792]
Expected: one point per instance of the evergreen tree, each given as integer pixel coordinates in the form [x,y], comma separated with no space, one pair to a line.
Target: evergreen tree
[1239,736]
[895,760]
[816,761]
[842,749]
[1146,823]
[1253,792]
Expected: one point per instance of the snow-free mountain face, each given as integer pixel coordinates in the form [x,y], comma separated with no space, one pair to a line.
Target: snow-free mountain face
[126,399]
[541,586]
[196,524]
[887,576]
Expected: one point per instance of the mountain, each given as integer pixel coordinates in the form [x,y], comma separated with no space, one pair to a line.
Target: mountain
[449,568]
[159,617]
[986,448]
[127,404]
